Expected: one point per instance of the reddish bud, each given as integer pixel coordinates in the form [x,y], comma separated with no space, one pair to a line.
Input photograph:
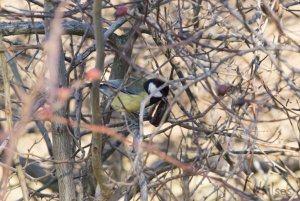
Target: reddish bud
[121,10]
[93,74]
[63,93]
[222,89]
[45,113]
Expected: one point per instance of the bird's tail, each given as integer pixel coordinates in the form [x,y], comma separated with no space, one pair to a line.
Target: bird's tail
[106,90]
[103,88]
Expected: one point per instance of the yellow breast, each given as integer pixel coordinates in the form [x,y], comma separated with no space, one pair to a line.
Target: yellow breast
[130,102]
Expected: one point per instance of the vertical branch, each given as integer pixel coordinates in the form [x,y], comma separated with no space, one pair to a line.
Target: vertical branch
[138,163]
[8,114]
[4,144]
[62,140]
[22,179]
[126,42]
[97,138]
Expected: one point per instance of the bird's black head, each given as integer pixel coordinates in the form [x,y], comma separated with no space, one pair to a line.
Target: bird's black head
[151,87]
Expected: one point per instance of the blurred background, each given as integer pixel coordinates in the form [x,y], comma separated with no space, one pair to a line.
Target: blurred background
[233,128]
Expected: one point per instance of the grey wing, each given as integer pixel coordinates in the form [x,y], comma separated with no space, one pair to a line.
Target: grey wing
[113,83]
[106,90]
[110,87]
[134,86]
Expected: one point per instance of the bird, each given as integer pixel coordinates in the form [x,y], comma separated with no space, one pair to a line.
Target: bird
[128,97]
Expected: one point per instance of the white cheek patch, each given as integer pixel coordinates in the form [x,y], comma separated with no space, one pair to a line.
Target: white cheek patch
[152,88]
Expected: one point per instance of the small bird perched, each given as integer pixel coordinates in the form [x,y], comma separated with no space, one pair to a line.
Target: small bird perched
[129,97]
